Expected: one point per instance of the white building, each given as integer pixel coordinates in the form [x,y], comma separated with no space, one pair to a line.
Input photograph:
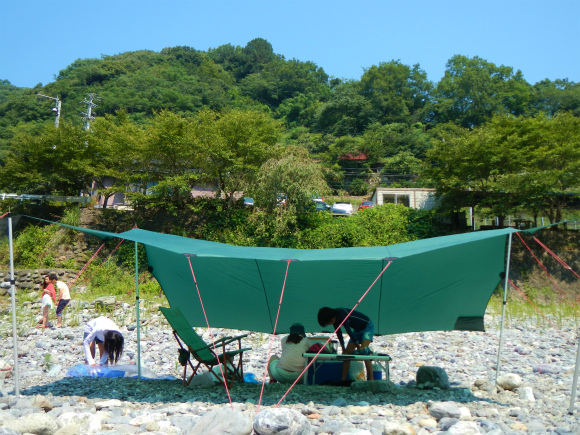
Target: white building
[420,199]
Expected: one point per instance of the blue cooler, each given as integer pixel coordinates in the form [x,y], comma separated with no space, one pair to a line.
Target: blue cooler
[320,372]
[377,372]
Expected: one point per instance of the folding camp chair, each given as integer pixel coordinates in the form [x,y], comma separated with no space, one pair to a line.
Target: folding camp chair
[202,352]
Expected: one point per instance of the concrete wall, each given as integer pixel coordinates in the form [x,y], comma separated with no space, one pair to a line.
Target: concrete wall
[420,199]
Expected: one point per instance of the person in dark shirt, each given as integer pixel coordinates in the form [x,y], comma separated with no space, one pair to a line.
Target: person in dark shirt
[359,328]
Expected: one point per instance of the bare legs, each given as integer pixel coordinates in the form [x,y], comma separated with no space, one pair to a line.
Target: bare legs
[346,364]
[272,358]
[45,311]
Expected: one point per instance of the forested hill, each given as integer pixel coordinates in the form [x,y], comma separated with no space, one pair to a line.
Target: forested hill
[300,93]
[184,116]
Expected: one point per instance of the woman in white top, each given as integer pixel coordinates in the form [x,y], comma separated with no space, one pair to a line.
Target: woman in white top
[106,334]
[290,365]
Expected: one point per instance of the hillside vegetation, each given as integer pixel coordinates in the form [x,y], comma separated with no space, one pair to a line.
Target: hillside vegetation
[184,117]
[246,121]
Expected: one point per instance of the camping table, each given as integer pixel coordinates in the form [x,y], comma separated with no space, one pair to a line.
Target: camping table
[381,359]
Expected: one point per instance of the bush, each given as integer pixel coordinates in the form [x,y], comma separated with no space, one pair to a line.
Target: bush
[30,246]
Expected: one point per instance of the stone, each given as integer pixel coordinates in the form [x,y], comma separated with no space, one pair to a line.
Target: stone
[69,429]
[37,423]
[88,423]
[392,428]
[427,422]
[152,426]
[281,421]
[464,428]
[429,377]
[340,402]
[526,393]
[42,402]
[54,371]
[546,369]
[106,302]
[441,410]
[112,403]
[222,421]
[510,382]
[446,422]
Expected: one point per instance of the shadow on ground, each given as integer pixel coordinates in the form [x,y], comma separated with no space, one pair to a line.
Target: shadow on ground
[172,391]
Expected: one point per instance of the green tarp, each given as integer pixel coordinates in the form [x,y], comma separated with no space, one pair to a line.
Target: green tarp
[442,283]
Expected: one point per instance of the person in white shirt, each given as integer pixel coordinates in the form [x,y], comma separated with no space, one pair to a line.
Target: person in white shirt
[63,297]
[106,334]
[290,365]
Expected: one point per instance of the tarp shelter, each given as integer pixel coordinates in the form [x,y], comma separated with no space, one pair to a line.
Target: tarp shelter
[441,283]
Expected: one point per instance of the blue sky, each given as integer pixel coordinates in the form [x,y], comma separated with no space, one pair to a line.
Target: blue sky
[539,37]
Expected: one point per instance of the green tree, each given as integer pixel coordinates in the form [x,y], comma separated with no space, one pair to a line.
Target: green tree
[60,161]
[347,112]
[473,90]
[397,92]
[234,146]
[122,145]
[280,80]
[551,97]
[298,179]
[509,164]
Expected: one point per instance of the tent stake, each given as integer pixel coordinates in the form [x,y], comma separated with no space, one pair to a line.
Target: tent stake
[13,294]
[138,321]
[505,290]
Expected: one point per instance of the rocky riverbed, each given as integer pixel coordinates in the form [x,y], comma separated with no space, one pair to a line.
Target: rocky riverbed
[533,395]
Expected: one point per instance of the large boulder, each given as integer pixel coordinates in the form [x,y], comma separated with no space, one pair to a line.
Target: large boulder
[281,421]
[432,377]
[441,410]
[37,423]
[510,382]
[224,421]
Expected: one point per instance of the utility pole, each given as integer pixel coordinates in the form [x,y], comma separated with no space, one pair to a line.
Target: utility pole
[88,114]
[55,109]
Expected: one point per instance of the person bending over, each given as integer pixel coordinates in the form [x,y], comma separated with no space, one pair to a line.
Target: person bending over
[108,338]
[359,328]
[290,365]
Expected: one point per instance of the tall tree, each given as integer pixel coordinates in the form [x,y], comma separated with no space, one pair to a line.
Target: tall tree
[509,164]
[551,97]
[473,90]
[347,112]
[59,161]
[235,144]
[397,92]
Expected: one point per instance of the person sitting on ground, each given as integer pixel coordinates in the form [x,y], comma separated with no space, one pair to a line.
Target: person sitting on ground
[47,301]
[359,328]
[63,297]
[106,334]
[290,365]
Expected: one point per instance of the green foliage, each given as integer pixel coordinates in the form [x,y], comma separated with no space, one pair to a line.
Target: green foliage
[30,246]
[72,216]
[379,226]
[473,90]
[359,187]
[508,164]
[397,92]
[125,256]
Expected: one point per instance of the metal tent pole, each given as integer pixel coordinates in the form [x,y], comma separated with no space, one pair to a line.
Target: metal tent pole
[575,381]
[138,320]
[505,290]
[13,294]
